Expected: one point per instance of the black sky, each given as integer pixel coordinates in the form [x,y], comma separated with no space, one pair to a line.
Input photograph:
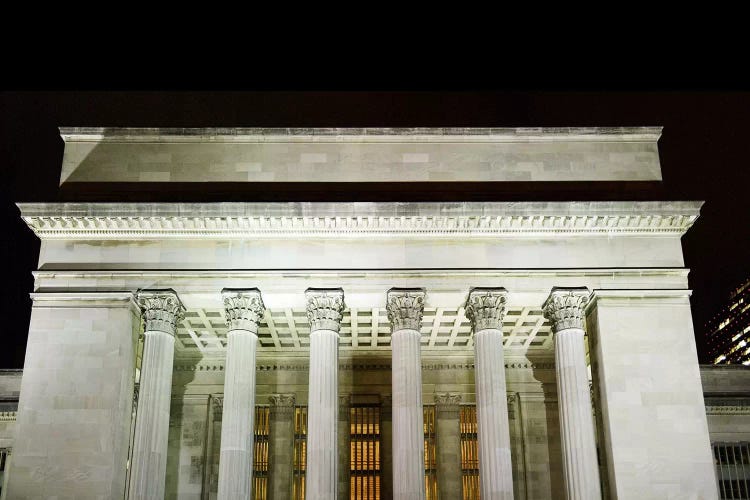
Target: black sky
[704,152]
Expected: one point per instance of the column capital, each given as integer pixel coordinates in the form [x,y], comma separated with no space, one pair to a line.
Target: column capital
[405,307]
[325,307]
[486,307]
[282,405]
[244,308]
[447,403]
[161,309]
[564,307]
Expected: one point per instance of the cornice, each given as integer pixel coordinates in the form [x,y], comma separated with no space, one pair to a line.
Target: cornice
[124,221]
[359,135]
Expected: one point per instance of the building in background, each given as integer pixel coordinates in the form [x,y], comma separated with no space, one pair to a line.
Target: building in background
[363,349]
[728,332]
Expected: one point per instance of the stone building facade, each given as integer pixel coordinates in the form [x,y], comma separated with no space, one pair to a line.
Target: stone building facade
[361,350]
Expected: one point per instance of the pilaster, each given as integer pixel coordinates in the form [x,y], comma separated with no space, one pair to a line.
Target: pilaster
[447,409]
[280,446]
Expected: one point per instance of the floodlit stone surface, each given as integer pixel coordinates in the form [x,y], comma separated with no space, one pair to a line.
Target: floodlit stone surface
[161,311]
[655,428]
[359,155]
[76,398]
[324,308]
[244,310]
[486,309]
[565,308]
[405,310]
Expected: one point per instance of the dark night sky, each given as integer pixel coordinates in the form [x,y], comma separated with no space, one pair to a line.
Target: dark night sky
[704,153]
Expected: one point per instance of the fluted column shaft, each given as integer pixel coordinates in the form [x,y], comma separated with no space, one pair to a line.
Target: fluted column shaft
[564,308]
[161,310]
[405,308]
[244,311]
[486,309]
[324,310]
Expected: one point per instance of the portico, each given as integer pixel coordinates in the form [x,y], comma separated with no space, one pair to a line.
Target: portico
[449,348]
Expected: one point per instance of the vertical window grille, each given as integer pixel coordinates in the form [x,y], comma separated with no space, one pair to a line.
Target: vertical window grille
[3,467]
[469,452]
[260,453]
[733,469]
[300,452]
[364,478]
[430,454]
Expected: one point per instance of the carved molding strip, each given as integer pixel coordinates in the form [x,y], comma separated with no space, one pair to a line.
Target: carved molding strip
[302,367]
[158,227]
[8,416]
[727,410]
[727,406]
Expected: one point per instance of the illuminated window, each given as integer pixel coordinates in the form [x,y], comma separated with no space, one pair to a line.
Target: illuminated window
[364,478]
[732,461]
[300,452]
[430,454]
[469,452]
[260,453]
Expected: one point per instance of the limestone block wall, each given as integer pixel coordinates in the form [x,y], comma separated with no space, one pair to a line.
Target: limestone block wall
[195,429]
[655,430]
[387,253]
[359,155]
[76,398]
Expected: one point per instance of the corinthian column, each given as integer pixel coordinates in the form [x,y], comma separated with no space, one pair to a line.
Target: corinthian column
[161,311]
[486,309]
[324,310]
[405,308]
[244,312]
[564,309]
